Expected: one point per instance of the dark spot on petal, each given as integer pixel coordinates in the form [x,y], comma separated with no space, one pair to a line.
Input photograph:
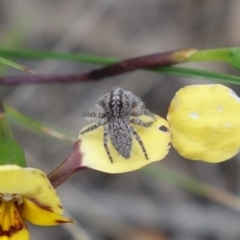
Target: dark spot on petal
[60,206]
[67,221]
[18,225]
[47,208]
[39,190]
[42,175]
[163,128]
[10,231]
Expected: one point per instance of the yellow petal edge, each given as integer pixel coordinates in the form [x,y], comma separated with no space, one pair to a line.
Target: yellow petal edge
[31,183]
[155,140]
[40,203]
[204,122]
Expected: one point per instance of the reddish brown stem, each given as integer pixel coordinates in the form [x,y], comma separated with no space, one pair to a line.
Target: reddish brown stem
[1,108]
[144,62]
[67,168]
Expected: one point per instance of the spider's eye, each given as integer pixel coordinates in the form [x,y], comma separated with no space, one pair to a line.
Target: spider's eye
[163,128]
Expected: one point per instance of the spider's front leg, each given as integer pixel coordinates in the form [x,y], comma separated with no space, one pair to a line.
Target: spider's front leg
[105,141]
[102,101]
[94,126]
[93,114]
[139,122]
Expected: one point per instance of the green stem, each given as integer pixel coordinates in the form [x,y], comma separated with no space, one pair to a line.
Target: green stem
[210,55]
[228,55]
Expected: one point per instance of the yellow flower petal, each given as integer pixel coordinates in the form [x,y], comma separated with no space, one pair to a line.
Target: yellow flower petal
[20,235]
[10,220]
[30,183]
[40,216]
[156,140]
[204,122]
[26,194]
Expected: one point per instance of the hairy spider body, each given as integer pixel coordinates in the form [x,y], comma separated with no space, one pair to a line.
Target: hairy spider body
[120,109]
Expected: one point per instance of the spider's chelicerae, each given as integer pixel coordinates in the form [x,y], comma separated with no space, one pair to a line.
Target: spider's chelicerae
[119,110]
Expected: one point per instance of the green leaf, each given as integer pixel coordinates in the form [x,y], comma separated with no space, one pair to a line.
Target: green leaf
[75,57]
[11,152]
[200,74]
[35,125]
[15,65]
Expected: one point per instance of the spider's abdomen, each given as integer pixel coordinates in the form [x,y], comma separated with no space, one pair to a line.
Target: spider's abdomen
[121,138]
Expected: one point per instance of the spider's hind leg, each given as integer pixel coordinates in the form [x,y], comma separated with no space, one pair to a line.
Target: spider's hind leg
[143,111]
[139,140]
[105,142]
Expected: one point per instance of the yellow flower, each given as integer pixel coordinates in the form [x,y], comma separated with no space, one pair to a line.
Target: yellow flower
[26,195]
[204,122]
[156,140]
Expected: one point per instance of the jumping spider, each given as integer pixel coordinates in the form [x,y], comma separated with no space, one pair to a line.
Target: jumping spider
[119,110]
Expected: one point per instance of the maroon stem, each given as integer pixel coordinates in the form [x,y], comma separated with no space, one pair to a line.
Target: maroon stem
[1,108]
[67,168]
[143,62]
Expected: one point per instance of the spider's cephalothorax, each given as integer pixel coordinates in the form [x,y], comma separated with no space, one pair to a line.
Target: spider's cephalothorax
[120,109]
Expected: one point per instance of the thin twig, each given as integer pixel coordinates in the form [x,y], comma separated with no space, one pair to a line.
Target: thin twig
[145,62]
